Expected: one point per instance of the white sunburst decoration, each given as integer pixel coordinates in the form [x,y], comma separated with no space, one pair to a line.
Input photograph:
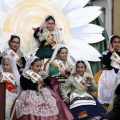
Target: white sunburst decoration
[20,16]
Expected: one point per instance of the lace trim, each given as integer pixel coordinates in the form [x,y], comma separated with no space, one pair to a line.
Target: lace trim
[106,86]
[43,105]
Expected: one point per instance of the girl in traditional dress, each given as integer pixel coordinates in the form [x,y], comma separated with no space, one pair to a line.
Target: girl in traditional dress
[107,80]
[49,36]
[80,86]
[59,67]
[10,75]
[15,52]
[35,101]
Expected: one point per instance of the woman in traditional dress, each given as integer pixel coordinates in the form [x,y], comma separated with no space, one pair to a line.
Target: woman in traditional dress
[107,80]
[35,101]
[10,75]
[59,67]
[77,92]
[15,52]
[49,36]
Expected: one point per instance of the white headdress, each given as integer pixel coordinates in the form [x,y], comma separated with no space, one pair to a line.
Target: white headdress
[54,56]
[109,42]
[46,19]
[58,47]
[13,67]
[56,32]
[28,63]
[88,68]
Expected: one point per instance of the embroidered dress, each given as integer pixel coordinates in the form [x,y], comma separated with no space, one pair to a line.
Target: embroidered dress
[56,79]
[53,69]
[107,80]
[106,86]
[46,106]
[80,99]
[82,103]
[33,106]
[46,43]
[43,105]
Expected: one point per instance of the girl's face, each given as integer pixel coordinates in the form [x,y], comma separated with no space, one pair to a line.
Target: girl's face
[50,25]
[36,67]
[6,65]
[80,69]
[63,54]
[14,44]
[116,43]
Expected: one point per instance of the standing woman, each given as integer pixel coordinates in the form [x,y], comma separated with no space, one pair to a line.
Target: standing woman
[15,52]
[107,80]
[49,36]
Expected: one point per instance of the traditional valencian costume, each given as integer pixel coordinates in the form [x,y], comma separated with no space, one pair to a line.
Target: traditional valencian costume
[17,56]
[12,80]
[37,102]
[55,65]
[47,40]
[107,80]
[82,103]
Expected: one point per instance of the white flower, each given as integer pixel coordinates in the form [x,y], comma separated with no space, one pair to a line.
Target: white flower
[20,16]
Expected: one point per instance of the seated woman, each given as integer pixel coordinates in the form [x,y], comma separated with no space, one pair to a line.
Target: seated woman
[49,36]
[107,80]
[80,86]
[15,52]
[59,67]
[35,101]
[10,75]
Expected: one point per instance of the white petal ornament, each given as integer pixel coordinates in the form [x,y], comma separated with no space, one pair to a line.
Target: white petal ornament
[71,15]
[87,29]
[82,50]
[74,4]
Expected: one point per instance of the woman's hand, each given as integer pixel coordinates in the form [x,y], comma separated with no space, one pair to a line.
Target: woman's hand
[89,80]
[62,71]
[21,69]
[44,25]
[1,76]
[67,101]
[14,91]
[40,81]
[67,69]
[111,48]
